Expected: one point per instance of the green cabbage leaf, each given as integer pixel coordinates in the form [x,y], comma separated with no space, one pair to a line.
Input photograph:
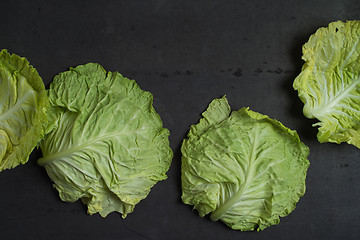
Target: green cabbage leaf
[329,83]
[23,107]
[105,143]
[242,167]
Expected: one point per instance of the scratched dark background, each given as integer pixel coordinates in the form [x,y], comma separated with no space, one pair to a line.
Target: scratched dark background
[186,53]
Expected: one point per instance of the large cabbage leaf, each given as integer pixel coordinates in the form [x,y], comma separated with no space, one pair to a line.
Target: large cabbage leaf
[23,106]
[242,167]
[105,143]
[329,83]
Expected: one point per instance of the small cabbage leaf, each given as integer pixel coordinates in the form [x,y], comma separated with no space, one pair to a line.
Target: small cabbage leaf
[105,143]
[23,107]
[242,167]
[329,83]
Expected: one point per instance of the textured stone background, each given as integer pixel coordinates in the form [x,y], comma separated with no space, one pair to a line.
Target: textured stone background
[186,53]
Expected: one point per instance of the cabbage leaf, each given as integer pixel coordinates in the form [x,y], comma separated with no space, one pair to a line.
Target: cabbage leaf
[105,143]
[329,83]
[23,107]
[242,167]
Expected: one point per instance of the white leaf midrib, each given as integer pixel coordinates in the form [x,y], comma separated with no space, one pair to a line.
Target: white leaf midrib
[328,105]
[16,106]
[219,212]
[326,108]
[48,159]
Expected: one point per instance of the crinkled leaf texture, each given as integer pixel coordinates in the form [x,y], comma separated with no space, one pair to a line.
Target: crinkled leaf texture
[23,107]
[244,168]
[105,143]
[329,83]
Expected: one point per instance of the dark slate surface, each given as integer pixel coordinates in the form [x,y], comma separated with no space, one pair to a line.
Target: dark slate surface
[186,53]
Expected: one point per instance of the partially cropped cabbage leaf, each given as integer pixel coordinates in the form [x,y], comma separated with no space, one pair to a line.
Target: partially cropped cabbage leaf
[242,167]
[329,83]
[23,106]
[105,143]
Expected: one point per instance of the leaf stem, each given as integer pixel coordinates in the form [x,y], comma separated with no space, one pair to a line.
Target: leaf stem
[219,212]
